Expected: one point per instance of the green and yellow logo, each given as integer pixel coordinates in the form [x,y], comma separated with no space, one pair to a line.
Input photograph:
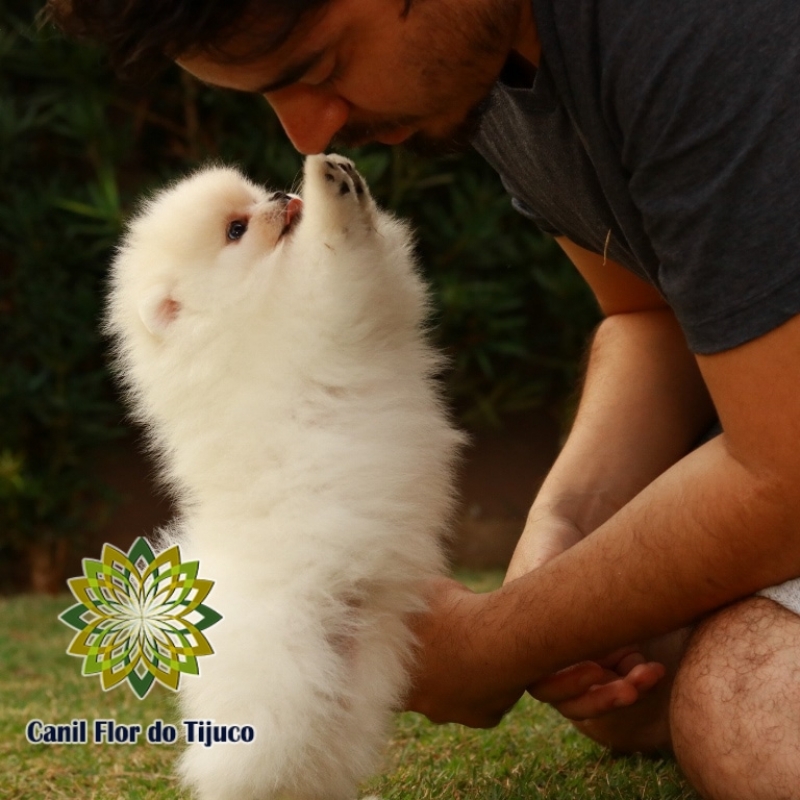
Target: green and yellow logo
[139,617]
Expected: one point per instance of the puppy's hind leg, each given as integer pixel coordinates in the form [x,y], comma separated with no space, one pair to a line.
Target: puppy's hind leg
[336,198]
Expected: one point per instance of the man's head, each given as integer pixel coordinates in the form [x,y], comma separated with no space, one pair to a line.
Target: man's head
[347,71]
[143,35]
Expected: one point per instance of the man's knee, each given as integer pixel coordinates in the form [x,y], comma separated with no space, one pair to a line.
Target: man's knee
[735,708]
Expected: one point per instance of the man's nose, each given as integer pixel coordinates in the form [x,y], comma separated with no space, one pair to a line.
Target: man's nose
[310,116]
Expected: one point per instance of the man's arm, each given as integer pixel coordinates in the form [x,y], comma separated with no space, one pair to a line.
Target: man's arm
[718,524]
[643,406]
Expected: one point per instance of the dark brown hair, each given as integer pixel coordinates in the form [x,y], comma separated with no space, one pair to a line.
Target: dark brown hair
[141,35]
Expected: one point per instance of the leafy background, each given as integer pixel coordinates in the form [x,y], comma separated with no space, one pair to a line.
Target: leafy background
[77,147]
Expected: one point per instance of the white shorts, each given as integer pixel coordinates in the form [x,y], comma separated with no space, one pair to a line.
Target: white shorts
[785,594]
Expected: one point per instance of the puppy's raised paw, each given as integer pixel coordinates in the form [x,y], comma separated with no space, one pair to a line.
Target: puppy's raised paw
[336,195]
[343,174]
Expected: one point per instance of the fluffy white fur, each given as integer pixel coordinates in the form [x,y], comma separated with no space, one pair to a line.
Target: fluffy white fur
[288,386]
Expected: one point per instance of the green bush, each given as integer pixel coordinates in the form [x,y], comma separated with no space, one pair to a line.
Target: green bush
[77,147]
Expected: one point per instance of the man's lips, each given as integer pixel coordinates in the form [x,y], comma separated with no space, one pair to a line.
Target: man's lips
[360,136]
[394,137]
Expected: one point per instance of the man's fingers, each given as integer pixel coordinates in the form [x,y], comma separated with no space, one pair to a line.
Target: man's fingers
[627,663]
[599,700]
[586,690]
[604,698]
[568,683]
[613,660]
[645,676]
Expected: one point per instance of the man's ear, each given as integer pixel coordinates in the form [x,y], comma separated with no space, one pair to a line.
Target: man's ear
[159,310]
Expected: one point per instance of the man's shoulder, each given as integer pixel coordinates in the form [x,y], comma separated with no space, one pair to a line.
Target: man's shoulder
[605,29]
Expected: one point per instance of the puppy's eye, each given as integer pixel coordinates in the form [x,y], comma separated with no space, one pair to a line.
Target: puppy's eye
[236,229]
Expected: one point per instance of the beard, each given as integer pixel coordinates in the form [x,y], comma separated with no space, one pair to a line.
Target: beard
[454,142]
[470,59]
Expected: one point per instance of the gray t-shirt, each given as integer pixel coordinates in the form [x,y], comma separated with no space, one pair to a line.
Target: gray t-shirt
[675,126]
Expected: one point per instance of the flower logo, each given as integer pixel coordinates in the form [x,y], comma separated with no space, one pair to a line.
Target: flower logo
[139,617]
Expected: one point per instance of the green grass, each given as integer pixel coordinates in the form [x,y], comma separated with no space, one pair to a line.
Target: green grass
[532,754]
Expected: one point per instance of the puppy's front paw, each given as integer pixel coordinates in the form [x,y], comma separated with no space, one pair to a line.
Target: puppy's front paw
[342,173]
[335,194]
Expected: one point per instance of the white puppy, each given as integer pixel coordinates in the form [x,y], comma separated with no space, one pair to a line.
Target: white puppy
[275,348]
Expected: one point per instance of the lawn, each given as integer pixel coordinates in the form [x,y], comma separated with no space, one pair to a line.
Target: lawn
[532,754]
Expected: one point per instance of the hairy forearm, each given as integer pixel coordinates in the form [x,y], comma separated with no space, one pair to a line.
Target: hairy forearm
[643,406]
[706,532]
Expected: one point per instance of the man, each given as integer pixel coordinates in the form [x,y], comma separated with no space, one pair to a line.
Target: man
[658,141]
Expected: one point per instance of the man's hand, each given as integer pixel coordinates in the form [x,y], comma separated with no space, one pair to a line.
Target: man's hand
[459,674]
[593,689]
[590,689]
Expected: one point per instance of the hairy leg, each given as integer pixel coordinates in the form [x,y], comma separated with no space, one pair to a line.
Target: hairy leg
[735,713]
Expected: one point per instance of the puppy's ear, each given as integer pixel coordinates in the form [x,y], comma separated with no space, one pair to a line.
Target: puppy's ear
[159,310]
